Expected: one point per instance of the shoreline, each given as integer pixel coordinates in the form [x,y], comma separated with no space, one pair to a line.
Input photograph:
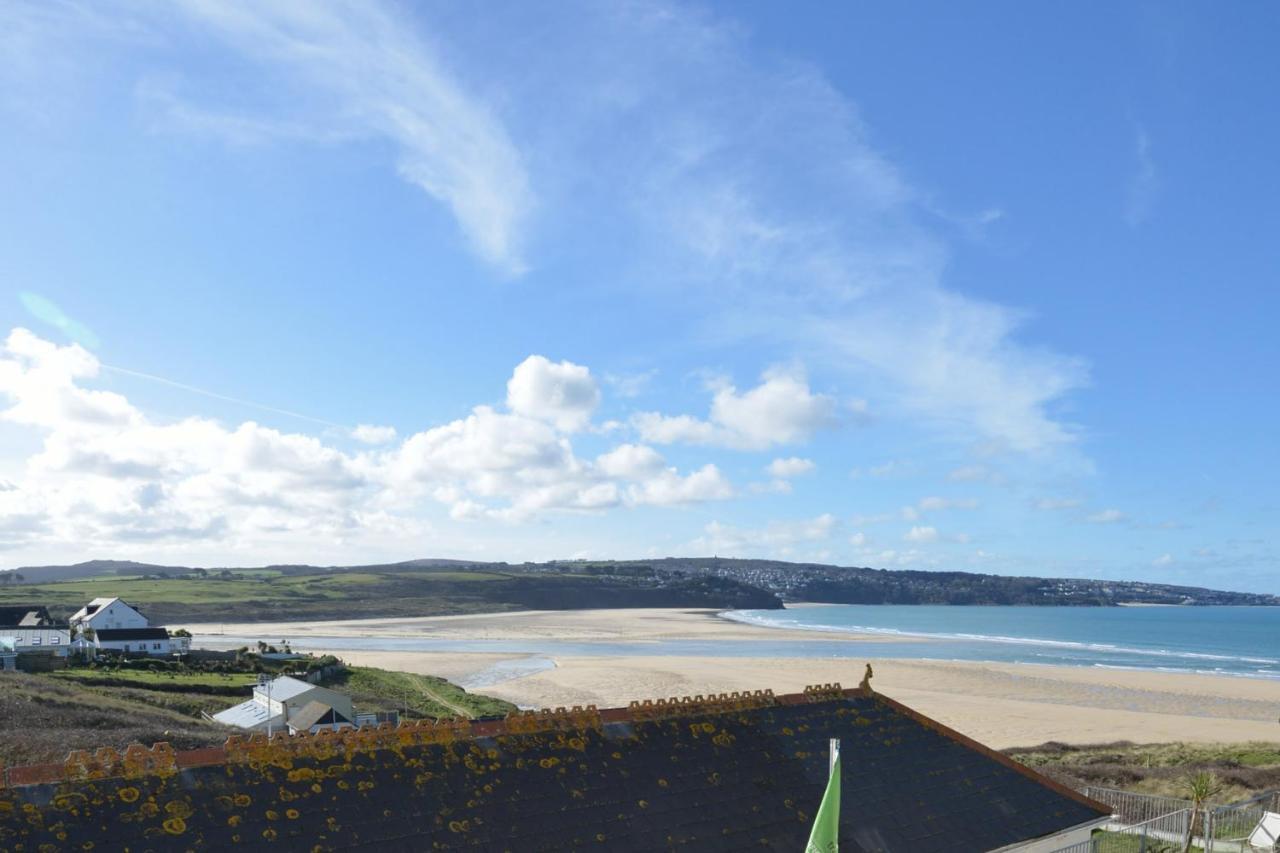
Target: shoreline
[610,657]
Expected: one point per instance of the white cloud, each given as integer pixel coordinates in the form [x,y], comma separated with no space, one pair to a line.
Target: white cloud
[563,393]
[921,534]
[858,540]
[668,488]
[371,434]
[1144,186]
[1054,504]
[1163,560]
[970,474]
[792,466]
[780,410]
[1106,516]
[628,385]
[106,475]
[40,378]
[631,462]
[777,538]
[358,69]
[935,504]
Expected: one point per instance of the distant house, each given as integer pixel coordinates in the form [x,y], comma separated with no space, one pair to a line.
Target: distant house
[317,716]
[37,648]
[25,616]
[109,614]
[278,701]
[150,641]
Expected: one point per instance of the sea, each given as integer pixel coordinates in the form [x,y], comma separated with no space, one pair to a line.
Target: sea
[1241,641]
[1233,641]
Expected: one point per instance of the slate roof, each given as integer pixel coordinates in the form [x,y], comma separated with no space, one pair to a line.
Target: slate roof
[707,776]
[25,616]
[117,635]
[315,713]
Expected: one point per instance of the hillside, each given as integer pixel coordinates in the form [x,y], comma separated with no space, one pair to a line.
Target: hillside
[44,716]
[175,595]
[437,587]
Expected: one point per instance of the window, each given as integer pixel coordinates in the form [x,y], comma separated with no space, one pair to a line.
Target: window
[35,641]
[155,646]
[55,639]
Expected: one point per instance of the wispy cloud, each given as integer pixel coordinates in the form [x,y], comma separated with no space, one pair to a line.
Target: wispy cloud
[1144,185]
[361,70]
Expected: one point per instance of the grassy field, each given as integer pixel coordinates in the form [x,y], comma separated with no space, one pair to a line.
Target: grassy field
[309,593]
[44,716]
[272,595]
[424,696]
[1244,768]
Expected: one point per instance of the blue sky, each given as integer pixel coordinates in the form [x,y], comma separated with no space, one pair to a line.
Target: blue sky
[898,285]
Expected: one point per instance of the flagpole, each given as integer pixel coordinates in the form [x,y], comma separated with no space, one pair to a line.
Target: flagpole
[834,751]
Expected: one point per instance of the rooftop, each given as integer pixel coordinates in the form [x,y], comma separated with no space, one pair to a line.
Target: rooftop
[714,773]
[121,634]
[246,715]
[285,688]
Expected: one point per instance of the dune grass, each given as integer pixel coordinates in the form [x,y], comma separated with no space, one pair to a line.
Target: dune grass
[1161,769]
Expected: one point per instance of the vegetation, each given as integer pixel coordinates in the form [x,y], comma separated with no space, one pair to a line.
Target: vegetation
[311,593]
[44,716]
[1243,770]
[430,587]
[420,696]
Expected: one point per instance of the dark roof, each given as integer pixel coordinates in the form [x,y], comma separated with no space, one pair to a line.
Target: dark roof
[315,713]
[726,774]
[118,634]
[25,616]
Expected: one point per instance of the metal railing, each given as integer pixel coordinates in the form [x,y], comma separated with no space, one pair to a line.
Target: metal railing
[1131,808]
[1227,828]
[1151,824]
[1162,834]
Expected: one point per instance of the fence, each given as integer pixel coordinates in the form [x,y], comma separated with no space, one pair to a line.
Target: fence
[1143,823]
[1162,834]
[1131,808]
[1227,828]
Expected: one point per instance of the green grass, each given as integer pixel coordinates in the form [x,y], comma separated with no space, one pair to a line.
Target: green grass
[144,678]
[425,696]
[1161,769]
[1118,842]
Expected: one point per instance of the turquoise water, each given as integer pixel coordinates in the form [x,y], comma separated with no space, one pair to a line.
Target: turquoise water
[1239,641]
[1225,640]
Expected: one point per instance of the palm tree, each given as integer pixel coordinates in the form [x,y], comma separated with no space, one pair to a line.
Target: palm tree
[1200,787]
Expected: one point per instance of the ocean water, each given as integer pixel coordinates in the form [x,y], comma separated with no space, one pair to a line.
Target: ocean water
[1238,641]
[1243,641]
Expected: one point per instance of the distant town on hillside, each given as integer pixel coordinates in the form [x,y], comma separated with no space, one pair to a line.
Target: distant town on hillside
[442,585]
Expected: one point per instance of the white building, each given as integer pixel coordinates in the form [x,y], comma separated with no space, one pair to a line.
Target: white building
[56,641]
[109,614]
[276,702]
[150,641]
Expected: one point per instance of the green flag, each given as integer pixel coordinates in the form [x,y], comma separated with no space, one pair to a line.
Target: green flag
[825,837]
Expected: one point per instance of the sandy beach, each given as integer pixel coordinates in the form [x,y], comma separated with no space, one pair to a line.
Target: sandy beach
[1003,705]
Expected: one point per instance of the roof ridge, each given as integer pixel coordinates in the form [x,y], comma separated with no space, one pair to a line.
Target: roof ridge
[281,748]
[257,748]
[995,755]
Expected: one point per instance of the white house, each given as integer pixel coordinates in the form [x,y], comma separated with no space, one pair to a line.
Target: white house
[151,641]
[56,641]
[109,614]
[276,702]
